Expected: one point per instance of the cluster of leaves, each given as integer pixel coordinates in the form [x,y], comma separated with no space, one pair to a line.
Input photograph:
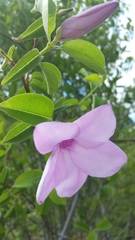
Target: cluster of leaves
[36,88]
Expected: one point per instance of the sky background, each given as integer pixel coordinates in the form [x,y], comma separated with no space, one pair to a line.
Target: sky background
[128,77]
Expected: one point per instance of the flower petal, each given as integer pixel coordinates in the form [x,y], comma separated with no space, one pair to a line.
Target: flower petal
[96,126]
[102,161]
[46,135]
[50,177]
[60,173]
[73,178]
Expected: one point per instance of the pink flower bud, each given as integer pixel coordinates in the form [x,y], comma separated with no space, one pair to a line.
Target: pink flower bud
[80,24]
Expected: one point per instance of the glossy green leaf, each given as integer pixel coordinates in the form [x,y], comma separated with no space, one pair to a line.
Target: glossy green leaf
[92,236]
[28,179]
[94,78]
[25,64]
[29,108]
[18,133]
[103,225]
[52,76]
[87,53]
[56,199]
[35,30]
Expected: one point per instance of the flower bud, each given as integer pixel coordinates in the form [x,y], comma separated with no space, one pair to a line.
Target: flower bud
[80,24]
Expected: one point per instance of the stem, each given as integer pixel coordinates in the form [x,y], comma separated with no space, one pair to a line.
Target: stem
[70,214]
[89,94]
[26,86]
[8,59]
[50,46]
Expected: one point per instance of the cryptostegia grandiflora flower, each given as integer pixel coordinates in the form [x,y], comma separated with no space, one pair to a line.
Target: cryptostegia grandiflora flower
[80,24]
[79,149]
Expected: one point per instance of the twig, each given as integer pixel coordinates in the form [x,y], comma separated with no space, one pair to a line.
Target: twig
[70,214]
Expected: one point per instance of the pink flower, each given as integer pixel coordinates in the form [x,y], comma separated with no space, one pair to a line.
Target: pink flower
[80,24]
[79,149]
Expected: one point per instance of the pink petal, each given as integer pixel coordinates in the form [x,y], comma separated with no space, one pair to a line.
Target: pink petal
[50,177]
[102,161]
[46,135]
[96,126]
[73,177]
[60,173]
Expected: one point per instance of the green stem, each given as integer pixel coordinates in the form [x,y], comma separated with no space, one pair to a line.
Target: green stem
[49,46]
[88,95]
[8,59]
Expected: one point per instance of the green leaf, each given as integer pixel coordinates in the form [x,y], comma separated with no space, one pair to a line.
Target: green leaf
[52,76]
[82,226]
[70,102]
[45,208]
[29,108]
[107,191]
[48,10]
[56,199]
[10,54]
[87,53]
[103,225]
[35,30]
[28,179]
[5,197]
[94,78]
[18,133]
[26,63]
[92,236]
[51,18]
[2,152]
[4,174]
[2,229]
[10,212]
[59,102]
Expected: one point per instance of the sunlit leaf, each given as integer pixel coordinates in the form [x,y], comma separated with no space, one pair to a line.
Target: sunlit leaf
[18,133]
[25,64]
[87,53]
[94,78]
[35,30]
[29,108]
